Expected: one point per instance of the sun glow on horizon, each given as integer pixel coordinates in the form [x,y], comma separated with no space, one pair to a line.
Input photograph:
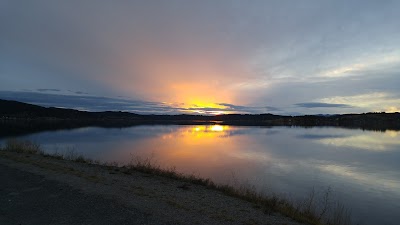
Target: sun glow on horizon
[202,107]
[201,97]
[198,107]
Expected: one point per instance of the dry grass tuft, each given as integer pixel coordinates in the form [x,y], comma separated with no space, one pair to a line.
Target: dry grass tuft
[19,146]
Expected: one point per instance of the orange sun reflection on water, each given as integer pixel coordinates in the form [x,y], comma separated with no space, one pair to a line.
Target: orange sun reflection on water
[212,128]
[207,149]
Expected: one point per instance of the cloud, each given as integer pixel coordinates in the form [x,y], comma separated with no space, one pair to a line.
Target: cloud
[271,108]
[48,90]
[59,90]
[89,103]
[81,93]
[249,109]
[231,108]
[96,103]
[374,101]
[322,105]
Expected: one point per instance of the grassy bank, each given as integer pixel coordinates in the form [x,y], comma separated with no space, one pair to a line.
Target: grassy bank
[312,210]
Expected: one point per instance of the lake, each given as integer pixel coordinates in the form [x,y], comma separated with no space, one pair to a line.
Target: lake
[362,168]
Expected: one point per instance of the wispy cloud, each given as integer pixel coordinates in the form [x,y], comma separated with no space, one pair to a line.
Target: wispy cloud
[250,109]
[81,93]
[378,61]
[48,90]
[322,105]
[377,101]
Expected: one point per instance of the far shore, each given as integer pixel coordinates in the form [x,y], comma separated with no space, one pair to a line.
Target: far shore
[20,118]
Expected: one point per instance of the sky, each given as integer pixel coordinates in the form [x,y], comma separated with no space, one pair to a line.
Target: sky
[208,57]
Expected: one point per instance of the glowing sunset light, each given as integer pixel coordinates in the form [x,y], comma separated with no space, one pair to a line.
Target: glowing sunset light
[202,107]
[200,96]
[212,128]
[217,128]
[205,105]
[218,113]
[206,132]
[197,129]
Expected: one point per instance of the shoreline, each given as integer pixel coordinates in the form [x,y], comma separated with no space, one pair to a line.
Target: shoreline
[191,195]
[167,200]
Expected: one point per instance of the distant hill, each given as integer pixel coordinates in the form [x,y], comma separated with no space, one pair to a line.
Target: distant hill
[15,109]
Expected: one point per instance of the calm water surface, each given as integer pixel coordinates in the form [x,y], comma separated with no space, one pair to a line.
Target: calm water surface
[361,167]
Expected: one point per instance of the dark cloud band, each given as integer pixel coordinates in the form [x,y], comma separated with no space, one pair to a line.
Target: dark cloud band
[322,105]
[96,103]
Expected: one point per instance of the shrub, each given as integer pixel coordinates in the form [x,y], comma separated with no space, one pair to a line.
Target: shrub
[22,146]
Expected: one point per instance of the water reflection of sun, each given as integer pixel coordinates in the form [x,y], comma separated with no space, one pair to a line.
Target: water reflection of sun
[207,133]
[194,143]
[217,128]
[205,149]
[209,150]
[204,132]
[211,128]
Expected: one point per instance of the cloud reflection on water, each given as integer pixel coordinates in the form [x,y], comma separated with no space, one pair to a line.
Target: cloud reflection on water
[380,141]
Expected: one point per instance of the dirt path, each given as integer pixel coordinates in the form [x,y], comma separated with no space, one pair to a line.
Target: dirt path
[26,198]
[41,190]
